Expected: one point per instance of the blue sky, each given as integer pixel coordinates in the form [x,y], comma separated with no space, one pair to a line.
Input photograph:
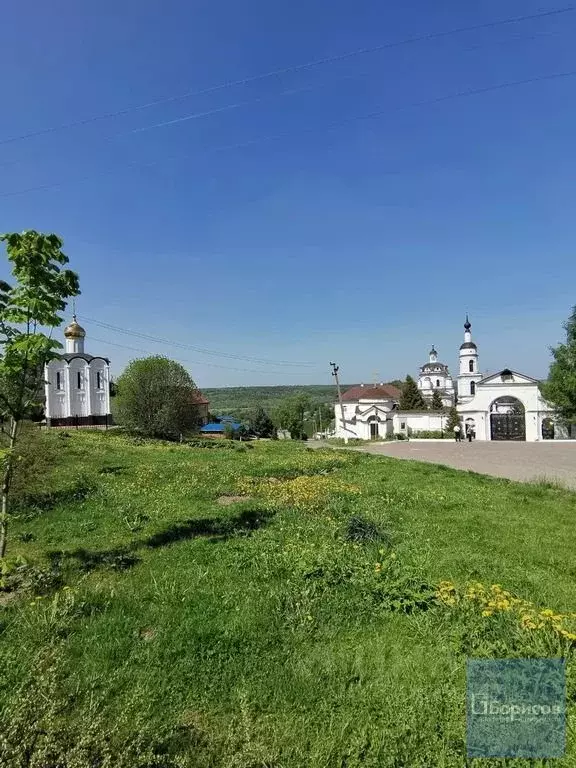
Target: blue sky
[260,232]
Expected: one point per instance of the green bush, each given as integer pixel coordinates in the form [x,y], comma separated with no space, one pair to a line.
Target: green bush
[157,398]
[431,434]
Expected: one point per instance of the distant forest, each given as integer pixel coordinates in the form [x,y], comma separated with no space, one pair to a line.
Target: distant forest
[241,401]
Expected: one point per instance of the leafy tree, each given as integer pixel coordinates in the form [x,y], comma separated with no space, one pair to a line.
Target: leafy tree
[228,430]
[243,433]
[324,415]
[261,424]
[291,414]
[453,419]
[38,294]
[156,397]
[436,403]
[411,398]
[560,388]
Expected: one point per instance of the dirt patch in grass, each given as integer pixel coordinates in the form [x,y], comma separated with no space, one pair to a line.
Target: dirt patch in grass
[228,499]
[6,598]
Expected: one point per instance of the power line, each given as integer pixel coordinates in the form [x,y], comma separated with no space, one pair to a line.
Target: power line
[198,362]
[287,70]
[261,99]
[199,115]
[202,350]
[274,137]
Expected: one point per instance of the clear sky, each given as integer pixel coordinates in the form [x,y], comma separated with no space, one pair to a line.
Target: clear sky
[279,227]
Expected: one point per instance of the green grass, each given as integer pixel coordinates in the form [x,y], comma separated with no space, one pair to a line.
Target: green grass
[175,630]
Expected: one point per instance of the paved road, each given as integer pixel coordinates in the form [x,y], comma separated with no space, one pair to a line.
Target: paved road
[517,461]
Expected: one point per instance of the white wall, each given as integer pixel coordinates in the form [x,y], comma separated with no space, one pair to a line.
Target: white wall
[70,400]
[100,397]
[358,415]
[418,421]
[478,408]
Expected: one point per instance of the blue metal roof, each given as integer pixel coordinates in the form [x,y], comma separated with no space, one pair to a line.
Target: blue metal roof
[213,427]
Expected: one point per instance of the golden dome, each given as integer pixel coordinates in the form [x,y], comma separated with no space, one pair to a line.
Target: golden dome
[74,330]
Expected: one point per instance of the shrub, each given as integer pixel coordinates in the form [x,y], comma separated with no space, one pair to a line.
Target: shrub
[431,434]
[360,530]
[157,398]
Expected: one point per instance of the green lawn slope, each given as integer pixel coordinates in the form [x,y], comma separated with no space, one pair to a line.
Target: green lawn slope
[267,606]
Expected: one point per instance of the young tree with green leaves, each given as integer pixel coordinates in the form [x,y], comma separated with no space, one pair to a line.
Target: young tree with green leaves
[436,403]
[560,388]
[157,398]
[291,414]
[33,302]
[453,419]
[411,398]
[261,424]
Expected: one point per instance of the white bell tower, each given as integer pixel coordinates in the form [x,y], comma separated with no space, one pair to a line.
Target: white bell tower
[469,373]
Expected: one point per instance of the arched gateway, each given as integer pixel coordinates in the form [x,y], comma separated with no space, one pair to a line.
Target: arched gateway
[507,419]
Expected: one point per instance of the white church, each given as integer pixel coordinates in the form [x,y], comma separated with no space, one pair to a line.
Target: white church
[500,406]
[77,385]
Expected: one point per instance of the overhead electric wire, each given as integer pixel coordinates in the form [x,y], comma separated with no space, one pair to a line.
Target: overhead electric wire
[288,70]
[198,362]
[193,347]
[273,137]
[199,115]
[260,99]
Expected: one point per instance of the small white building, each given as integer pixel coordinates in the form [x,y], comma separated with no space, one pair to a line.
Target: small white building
[435,377]
[77,385]
[368,411]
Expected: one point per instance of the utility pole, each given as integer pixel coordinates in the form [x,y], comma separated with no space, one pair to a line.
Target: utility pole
[335,369]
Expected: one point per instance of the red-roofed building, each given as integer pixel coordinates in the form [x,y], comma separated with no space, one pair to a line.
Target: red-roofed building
[202,404]
[367,411]
[372,392]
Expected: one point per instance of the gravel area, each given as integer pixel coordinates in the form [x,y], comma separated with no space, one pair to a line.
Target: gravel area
[550,460]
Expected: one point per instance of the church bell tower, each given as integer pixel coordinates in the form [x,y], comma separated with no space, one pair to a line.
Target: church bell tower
[469,373]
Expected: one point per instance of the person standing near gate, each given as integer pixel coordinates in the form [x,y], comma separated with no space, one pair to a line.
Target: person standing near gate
[469,433]
[458,433]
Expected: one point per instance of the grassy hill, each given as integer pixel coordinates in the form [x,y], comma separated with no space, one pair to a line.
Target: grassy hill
[273,606]
[241,401]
